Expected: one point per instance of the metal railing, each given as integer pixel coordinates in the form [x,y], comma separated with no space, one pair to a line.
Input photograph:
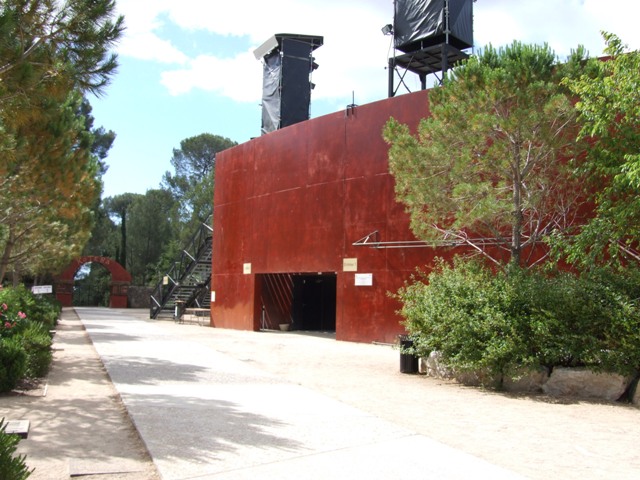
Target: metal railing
[189,279]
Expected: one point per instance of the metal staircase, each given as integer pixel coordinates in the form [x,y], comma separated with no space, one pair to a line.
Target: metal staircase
[187,283]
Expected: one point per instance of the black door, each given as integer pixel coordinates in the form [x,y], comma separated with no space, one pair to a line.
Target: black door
[314,302]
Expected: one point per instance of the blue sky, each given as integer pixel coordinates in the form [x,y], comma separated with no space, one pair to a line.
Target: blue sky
[187,66]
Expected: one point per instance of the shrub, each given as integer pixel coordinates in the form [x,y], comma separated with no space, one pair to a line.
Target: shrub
[41,309]
[462,313]
[25,319]
[36,342]
[500,322]
[12,466]
[45,310]
[13,363]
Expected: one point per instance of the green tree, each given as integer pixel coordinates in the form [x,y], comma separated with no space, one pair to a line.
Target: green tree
[105,236]
[49,48]
[49,185]
[150,231]
[609,107]
[52,53]
[489,167]
[47,39]
[102,139]
[119,206]
[193,180]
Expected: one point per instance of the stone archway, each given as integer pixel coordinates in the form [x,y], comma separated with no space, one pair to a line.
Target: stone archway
[120,281]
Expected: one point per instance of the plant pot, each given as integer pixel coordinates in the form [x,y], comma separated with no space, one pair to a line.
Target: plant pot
[284,327]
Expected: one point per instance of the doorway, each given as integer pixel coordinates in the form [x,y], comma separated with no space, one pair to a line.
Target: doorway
[314,302]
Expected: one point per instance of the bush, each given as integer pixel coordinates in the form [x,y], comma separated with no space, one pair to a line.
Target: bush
[26,320]
[500,322]
[41,309]
[13,363]
[36,341]
[12,466]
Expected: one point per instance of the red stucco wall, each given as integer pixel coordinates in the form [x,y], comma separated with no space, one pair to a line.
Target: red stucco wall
[296,199]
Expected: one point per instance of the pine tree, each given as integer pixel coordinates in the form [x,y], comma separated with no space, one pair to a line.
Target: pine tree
[489,169]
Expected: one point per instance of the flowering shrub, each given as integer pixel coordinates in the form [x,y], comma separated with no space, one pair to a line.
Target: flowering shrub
[25,342]
[11,324]
[41,309]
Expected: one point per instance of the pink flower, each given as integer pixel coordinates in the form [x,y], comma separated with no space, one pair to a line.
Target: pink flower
[4,306]
[7,325]
[22,315]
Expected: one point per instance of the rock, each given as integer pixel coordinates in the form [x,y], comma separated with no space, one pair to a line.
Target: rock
[422,366]
[470,379]
[635,398]
[584,383]
[526,381]
[433,366]
[477,378]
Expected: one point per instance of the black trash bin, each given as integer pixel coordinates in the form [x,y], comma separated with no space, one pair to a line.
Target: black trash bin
[408,361]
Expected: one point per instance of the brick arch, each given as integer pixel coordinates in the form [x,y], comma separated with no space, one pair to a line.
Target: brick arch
[119,286]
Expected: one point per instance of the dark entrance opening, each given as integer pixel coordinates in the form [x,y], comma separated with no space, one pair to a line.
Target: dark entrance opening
[314,302]
[91,286]
[298,301]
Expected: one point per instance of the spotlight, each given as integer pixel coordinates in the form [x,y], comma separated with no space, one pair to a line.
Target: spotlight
[387,29]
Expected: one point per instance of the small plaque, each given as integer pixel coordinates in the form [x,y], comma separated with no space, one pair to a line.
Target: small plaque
[17,427]
[213,296]
[246,269]
[349,264]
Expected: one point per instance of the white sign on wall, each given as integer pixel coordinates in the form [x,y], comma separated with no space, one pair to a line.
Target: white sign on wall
[246,269]
[41,289]
[364,279]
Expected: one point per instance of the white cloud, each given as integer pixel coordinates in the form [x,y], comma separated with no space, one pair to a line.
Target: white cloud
[147,46]
[616,16]
[355,52]
[238,78]
[563,24]
[354,48]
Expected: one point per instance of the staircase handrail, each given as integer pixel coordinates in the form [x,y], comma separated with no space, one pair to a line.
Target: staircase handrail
[180,270]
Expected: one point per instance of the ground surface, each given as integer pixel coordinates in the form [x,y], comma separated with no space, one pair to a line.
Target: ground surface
[80,426]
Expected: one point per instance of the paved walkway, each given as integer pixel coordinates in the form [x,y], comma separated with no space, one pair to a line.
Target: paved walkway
[206,410]
[78,425]
[225,404]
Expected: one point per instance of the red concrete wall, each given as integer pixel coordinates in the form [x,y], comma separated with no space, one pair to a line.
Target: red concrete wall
[296,199]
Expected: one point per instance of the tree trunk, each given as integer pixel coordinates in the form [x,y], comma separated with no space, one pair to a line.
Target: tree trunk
[123,239]
[6,255]
[518,217]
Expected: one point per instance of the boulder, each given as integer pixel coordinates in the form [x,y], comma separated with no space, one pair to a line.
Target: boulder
[432,366]
[478,378]
[584,383]
[635,397]
[526,381]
